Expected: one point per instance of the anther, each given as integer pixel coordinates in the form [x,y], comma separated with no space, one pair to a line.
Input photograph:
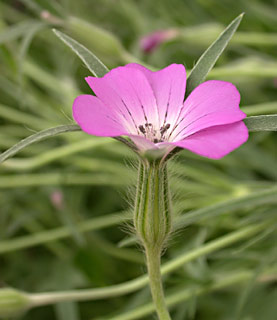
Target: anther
[156,140]
[163,129]
[142,129]
[148,124]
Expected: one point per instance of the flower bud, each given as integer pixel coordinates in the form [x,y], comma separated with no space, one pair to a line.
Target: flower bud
[13,302]
[57,199]
[152,218]
[152,41]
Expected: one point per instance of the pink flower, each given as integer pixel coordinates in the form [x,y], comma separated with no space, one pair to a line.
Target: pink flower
[149,108]
[151,41]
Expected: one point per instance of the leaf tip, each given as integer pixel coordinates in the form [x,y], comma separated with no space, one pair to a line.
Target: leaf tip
[238,19]
[57,32]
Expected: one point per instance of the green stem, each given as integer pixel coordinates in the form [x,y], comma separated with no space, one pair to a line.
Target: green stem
[184,294]
[152,221]
[153,258]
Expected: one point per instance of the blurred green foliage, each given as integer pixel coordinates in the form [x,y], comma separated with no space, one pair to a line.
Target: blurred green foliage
[64,185]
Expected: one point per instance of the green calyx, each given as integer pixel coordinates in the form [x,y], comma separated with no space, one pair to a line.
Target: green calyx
[152,217]
[12,302]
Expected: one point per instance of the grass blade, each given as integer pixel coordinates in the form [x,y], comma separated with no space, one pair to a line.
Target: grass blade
[140,282]
[61,178]
[37,137]
[60,233]
[210,56]
[95,66]
[248,201]
[56,153]
[18,30]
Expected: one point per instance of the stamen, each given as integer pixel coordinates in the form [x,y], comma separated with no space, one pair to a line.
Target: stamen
[142,129]
[163,129]
[152,134]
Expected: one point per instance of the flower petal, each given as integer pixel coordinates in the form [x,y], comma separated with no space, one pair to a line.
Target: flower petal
[95,118]
[211,103]
[142,143]
[113,102]
[155,150]
[128,90]
[217,141]
[169,86]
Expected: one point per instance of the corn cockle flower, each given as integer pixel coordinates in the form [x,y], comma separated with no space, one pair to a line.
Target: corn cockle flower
[149,108]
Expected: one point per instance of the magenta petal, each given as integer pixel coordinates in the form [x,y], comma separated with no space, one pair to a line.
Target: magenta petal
[94,117]
[169,85]
[142,143]
[216,142]
[113,102]
[157,149]
[211,103]
[128,90]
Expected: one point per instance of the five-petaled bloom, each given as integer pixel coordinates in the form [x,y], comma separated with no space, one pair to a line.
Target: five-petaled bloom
[150,109]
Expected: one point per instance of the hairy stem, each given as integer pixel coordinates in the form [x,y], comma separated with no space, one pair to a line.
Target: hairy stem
[153,258]
[152,221]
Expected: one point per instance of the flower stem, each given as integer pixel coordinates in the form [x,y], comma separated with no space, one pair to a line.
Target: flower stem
[152,221]
[153,257]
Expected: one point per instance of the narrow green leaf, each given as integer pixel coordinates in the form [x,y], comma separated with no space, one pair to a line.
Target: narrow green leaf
[33,6]
[95,66]
[62,178]
[252,200]
[22,117]
[249,201]
[64,232]
[142,281]
[210,56]
[18,30]
[262,123]
[37,137]
[56,153]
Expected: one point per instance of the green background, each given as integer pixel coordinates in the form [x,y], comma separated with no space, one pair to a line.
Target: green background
[75,178]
